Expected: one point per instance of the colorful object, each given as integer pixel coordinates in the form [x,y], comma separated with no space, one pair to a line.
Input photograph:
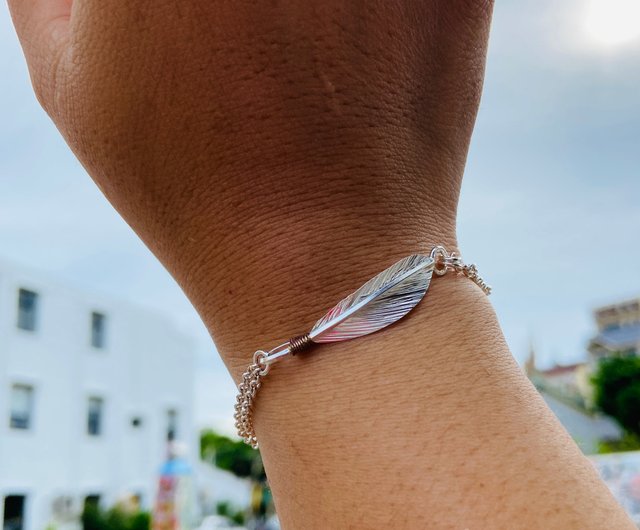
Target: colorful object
[174,507]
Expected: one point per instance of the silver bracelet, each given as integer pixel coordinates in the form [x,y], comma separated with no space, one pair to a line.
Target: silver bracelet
[380,302]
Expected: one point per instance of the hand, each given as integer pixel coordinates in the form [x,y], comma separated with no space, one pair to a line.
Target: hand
[264,151]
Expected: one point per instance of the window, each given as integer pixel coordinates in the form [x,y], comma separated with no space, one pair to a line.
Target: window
[62,507]
[172,424]
[27,309]
[98,330]
[92,501]
[94,416]
[13,518]
[21,407]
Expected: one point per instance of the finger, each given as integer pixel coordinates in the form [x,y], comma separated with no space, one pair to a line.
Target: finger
[42,27]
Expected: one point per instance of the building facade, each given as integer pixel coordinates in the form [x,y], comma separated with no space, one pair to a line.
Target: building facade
[618,330]
[91,391]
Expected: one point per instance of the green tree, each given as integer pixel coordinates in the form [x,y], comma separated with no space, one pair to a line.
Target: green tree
[227,510]
[94,518]
[231,455]
[617,391]
[242,461]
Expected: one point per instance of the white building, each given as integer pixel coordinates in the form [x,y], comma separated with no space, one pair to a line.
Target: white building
[90,391]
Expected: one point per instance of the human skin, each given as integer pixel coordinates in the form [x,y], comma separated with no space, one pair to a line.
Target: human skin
[274,157]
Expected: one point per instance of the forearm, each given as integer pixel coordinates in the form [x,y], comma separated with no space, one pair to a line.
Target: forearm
[429,424]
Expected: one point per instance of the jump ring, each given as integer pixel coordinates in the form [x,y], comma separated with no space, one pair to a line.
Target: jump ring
[259,358]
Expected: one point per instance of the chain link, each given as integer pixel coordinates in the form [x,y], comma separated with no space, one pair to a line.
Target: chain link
[446,262]
[247,390]
[252,377]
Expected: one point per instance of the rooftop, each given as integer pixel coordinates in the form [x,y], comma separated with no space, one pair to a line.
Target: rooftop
[619,338]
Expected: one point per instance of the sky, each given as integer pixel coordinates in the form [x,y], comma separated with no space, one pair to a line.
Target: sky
[550,206]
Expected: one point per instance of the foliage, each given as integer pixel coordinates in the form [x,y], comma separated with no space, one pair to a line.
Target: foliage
[231,455]
[93,518]
[628,442]
[617,391]
[140,521]
[226,510]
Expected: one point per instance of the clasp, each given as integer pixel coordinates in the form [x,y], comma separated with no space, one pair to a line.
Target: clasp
[445,262]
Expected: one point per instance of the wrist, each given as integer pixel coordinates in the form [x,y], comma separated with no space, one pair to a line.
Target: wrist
[279,276]
[385,406]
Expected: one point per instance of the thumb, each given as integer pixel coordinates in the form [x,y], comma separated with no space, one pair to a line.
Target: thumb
[42,27]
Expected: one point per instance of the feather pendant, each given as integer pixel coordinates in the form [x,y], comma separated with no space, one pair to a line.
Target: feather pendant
[380,302]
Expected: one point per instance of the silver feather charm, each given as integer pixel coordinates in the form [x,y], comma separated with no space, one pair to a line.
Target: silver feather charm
[380,302]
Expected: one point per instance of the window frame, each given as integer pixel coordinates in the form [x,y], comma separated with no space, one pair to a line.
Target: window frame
[14,421]
[98,338]
[172,424]
[23,510]
[27,319]
[90,426]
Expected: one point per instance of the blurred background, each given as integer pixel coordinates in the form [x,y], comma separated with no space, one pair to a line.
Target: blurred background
[113,402]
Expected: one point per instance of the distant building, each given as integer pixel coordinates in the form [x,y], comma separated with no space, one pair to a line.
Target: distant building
[568,383]
[618,330]
[91,390]
[567,390]
[216,485]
